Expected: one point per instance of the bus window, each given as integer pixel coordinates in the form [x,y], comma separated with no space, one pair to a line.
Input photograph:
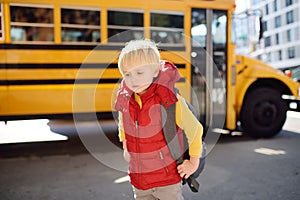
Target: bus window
[80,25]
[167,28]
[1,22]
[31,23]
[233,31]
[218,91]
[198,59]
[219,29]
[199,29]
[119,21]
[209,40]
[219,36]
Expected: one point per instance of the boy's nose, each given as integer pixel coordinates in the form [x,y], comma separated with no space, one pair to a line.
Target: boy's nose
[133,79]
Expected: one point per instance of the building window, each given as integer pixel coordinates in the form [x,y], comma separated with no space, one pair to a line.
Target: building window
[291,52]
[167,27]
[268,41]
[277,38]
[259,57]
[80,25]
[268,57]
[265,26]
[289,17]
[130,21]
[277,21]
[255,2]
[267,9]
[288,2]
[289,35]
[275,5]
[279,55]
[31,23]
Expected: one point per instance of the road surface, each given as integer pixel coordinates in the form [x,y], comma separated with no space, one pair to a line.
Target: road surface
[237,167]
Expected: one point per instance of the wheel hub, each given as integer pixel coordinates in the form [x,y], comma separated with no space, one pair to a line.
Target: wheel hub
[265,113]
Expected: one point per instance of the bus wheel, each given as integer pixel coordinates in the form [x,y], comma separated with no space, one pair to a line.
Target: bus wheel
[263,113]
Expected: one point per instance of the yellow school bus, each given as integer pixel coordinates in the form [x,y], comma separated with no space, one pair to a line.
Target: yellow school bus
[59,58]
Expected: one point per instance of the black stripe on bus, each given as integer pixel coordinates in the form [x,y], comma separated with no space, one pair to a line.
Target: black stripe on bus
[79,47]
[77,116]
[66,66]
[59,66]
[180,66]
[64,81]
[58,47]
[169,48]
[58,82]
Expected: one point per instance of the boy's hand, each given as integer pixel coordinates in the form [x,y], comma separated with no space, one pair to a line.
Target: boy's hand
[188,167]
[126,155]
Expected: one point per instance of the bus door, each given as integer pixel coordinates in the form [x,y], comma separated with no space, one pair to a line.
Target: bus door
[3,87]
[209,63]
[3,70]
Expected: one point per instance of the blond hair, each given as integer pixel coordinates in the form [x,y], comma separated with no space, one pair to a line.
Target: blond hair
[138,52]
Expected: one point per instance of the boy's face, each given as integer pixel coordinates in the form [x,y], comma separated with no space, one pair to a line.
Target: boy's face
[139,77]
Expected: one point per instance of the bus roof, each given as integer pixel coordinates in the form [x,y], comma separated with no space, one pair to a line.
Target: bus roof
[163,4]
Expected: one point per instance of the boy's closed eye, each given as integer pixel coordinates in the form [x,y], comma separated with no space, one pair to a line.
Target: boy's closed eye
[127,74]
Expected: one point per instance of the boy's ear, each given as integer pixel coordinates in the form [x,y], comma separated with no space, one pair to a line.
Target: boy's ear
[156,72]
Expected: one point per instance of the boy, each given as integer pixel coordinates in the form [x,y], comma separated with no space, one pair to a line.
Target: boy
[147,86]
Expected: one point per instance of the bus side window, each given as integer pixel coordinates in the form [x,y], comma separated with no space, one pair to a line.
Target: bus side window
[167,28]
[80,25]
[1,22]
[31,23]
[124,20]
[199,28]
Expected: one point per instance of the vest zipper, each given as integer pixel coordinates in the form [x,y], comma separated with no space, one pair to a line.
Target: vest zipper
[163,160]
[138,110]
[138,149]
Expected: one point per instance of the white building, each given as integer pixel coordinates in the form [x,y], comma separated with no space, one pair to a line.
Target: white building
[280,46]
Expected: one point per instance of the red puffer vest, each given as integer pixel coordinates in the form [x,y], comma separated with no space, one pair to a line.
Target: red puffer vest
[151,164]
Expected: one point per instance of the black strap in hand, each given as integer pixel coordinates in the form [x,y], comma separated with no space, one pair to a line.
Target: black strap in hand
[193,183]
[170,133]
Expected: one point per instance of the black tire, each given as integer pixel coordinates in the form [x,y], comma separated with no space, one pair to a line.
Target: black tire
[263,113]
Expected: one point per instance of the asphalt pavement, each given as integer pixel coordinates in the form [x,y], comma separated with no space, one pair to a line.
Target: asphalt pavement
[237,167]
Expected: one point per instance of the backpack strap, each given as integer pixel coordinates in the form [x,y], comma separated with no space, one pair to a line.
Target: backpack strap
[171,137]
[193,183]
[170,133]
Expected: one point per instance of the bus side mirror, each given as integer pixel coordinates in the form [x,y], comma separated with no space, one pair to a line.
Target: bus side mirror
[261,29]
[255,26]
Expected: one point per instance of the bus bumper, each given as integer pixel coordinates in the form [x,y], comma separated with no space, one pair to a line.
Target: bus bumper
[294,103]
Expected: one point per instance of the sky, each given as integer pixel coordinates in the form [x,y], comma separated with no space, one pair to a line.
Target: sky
[240,5]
